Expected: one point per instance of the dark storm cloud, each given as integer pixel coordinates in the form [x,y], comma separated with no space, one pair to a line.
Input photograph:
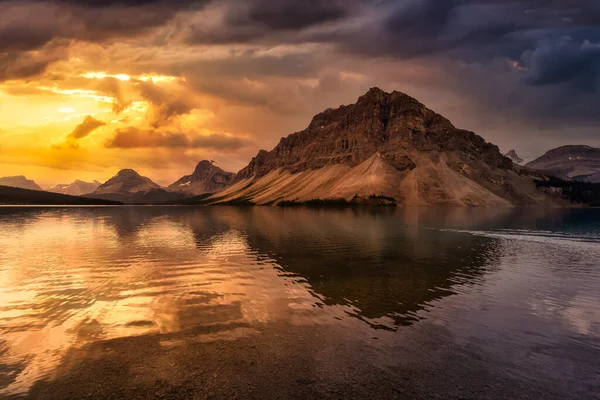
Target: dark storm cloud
[18,38]
[127,3]
[26,27]
[563,60]
[463,28]
[550,49]
[481,30]
[287,14]
[250,20]
[20,65]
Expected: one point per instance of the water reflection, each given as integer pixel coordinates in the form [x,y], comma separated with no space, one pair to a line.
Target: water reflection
[71,277]
[383,269]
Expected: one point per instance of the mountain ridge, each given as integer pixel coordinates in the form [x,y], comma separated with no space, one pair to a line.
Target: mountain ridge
[19,181]
[572,162]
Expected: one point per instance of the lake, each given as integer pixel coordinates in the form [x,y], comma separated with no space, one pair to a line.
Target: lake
[264,302]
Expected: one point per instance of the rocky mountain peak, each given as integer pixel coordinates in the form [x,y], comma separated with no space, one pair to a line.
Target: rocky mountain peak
[514,157]
[204,168]
[206,178]
[373,95]
[127,181]
[125,173]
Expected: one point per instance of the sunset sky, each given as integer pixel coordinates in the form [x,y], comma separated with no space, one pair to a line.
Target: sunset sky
[88,87]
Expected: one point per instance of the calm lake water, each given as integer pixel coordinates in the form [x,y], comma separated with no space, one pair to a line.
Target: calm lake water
[261,302]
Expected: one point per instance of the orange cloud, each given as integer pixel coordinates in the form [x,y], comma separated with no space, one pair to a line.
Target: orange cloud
[89,125]
[132,138]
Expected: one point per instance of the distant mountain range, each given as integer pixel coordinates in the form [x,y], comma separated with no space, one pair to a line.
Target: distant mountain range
[14,195]
[19,182]
[76,188]
[131,188]
[570,162]
[385,149]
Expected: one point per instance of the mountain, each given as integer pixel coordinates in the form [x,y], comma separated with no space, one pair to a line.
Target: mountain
[129,187]
[76,188]
[19,182]
[514,157]
[206,178]
[13,195]
[127,181]
[386,145]
[570,162]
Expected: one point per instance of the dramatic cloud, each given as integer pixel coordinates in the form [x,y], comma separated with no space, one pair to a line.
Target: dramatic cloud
[28,26]
[16,64]
[564,60]
[89,125]
[114,88]
[166,105]
[240,21]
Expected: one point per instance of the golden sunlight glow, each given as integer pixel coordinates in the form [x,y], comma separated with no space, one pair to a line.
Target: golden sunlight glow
[140,106]
[102,75]
[38,117]
[158,78]
[86,94]
[125,77]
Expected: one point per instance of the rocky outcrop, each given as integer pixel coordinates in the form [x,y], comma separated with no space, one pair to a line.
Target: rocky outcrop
[19,182]
[514,157]
[76,188]
[206,178]
[387,144]
[570,162]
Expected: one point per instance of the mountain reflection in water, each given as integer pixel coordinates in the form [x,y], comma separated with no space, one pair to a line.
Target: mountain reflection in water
[515,290]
